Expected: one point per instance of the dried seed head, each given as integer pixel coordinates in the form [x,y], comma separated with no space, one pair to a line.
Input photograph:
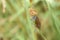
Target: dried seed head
[33,12]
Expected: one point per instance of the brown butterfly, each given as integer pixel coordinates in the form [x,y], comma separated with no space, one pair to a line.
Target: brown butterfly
[37,21]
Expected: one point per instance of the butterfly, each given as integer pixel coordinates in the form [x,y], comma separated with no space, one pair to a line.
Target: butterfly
[33,13]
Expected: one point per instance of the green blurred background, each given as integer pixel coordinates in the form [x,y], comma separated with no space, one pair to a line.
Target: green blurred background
[16,23]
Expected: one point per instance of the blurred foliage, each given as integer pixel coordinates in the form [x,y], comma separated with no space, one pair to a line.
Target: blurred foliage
[16,23]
